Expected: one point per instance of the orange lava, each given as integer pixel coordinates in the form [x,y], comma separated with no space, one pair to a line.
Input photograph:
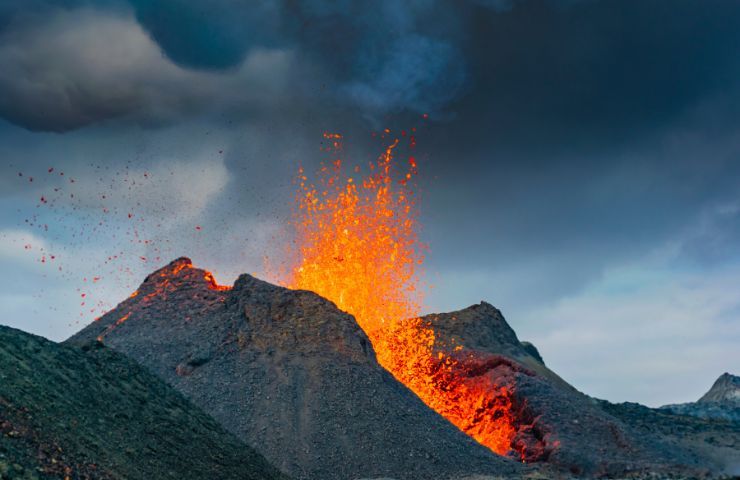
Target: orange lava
[213,285]
[357,245]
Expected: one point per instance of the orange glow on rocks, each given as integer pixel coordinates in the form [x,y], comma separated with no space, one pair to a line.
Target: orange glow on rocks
[212,284]
[357,244]
[160,286]
[113,326]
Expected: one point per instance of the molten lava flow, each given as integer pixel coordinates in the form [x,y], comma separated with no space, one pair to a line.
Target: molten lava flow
[357,245]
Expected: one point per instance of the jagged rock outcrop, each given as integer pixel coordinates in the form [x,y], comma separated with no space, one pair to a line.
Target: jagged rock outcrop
[291,375]
[90,413]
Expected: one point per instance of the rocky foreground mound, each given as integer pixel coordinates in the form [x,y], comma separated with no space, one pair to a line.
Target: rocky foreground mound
[291,375]
[72,413]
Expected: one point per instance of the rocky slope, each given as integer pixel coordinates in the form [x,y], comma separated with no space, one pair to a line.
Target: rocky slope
[291,375]
[721,402]
[564,428]
[90,413]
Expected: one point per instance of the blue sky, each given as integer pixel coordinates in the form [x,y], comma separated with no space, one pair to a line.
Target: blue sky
[580,166]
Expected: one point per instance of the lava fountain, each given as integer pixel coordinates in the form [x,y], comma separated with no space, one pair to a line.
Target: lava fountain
[357,244]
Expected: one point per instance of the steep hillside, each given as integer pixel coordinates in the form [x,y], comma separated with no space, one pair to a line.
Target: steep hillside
[91,413]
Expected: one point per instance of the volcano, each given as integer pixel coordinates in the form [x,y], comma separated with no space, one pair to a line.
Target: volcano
[298,379]
[290,374]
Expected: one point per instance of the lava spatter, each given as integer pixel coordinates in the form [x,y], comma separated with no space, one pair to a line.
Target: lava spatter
[358,245]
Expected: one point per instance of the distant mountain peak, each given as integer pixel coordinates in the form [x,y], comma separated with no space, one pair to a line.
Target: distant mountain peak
[726,389]
[721,402]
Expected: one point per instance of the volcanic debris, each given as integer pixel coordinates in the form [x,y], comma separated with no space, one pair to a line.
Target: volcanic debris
[91,413]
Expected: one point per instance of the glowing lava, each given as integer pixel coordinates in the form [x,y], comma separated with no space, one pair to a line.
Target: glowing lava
[357,245]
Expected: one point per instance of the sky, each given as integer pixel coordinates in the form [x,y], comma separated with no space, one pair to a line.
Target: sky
[579,160]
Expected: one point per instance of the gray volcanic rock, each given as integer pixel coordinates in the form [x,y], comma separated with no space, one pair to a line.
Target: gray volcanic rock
[558,424]
[726,389]
[91,413]
[721,402]
[532,351]
[482,328]
[291,375]
[716,441]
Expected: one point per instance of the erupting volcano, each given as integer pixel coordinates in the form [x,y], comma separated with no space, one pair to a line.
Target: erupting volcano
[446,395]
[358,245]
[590,192]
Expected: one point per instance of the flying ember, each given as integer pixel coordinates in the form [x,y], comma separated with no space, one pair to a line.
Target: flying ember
[357,244]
